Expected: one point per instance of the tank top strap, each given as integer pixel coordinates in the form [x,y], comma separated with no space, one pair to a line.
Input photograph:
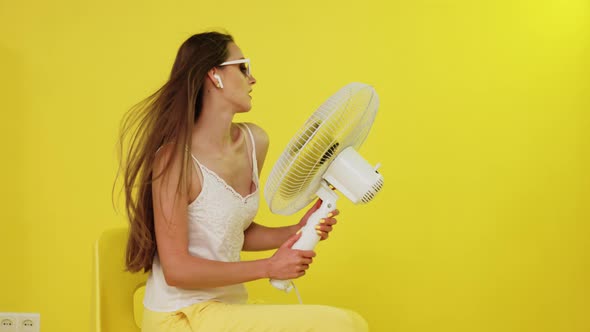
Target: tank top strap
[254,161]
[198,166]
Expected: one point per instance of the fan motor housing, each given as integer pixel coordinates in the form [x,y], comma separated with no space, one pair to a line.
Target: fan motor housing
[353,176]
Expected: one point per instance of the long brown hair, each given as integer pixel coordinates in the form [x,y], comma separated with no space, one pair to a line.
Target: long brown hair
[165,117]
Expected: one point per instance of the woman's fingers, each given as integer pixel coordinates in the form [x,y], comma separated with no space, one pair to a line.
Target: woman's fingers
[328,221]
[334,213]
[306,261]
[325,227]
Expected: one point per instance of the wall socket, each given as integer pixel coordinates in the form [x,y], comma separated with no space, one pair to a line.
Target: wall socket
[19,322]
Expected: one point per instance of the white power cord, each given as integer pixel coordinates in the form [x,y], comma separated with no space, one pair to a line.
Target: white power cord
[296,292]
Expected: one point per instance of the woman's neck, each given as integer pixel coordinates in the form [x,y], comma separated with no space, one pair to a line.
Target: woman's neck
[214,131]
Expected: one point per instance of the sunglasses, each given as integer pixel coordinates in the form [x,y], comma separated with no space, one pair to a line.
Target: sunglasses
[244,65]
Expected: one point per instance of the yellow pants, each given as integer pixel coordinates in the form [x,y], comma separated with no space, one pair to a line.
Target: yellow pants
[217,316]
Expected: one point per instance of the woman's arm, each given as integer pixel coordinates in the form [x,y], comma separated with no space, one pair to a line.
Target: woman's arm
[258,237]
[183,270]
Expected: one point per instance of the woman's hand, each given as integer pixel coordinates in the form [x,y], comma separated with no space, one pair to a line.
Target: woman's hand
[289,263]
[326,224]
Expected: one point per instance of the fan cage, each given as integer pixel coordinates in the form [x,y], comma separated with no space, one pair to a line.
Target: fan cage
[341,121]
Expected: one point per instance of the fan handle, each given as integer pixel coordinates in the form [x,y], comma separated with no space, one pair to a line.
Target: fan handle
[309,237]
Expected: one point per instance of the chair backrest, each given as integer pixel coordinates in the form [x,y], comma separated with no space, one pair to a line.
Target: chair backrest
[115,287]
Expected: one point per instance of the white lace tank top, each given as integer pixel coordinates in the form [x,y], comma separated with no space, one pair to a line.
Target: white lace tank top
[217,219]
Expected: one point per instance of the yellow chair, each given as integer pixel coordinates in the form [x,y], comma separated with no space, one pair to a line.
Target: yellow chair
[115,288]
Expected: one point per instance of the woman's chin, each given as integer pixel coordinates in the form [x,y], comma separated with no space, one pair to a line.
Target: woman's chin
[246,109]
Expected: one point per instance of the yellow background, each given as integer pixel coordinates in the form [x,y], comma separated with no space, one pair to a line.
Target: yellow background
[483,134]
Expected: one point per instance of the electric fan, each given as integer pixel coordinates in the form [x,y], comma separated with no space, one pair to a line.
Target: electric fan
[323,156]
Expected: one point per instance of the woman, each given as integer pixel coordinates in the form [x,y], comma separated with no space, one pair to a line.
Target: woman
[192,191]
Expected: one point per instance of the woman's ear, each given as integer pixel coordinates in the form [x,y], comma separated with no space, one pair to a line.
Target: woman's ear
[215,78]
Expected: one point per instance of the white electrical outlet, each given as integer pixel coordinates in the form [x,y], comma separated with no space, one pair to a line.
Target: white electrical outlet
[19,322]
[7,322]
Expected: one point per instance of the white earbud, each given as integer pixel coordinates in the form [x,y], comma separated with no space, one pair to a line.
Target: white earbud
[220,84]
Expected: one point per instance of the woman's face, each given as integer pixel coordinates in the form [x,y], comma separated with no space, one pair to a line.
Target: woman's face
[237,84]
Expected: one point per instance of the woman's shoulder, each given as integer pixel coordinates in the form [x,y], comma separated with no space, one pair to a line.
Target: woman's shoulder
[260,136]
[261,141]
[166,158]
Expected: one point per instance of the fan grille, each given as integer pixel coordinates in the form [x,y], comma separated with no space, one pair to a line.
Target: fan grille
[341,121]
